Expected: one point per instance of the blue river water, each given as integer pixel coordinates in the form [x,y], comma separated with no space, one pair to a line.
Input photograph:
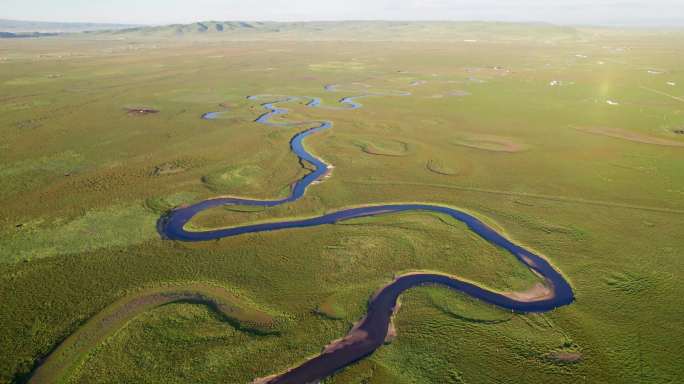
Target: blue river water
[211,115]
[371,332]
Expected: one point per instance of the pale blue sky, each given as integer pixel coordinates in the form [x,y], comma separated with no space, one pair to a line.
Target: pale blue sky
[614,12]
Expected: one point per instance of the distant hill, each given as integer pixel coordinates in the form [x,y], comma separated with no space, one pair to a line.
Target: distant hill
[19,27]
[12,35]
[346,30]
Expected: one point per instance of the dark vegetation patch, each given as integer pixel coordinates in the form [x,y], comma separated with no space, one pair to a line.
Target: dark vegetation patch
[28,124]
[382,147]
[541,224]
[625,134]
[162,204]
[106,180]
[439,167]
[465,308]
[679,131]
[172,167]
[628,282]
[494,143]
[141,111]
[331,309]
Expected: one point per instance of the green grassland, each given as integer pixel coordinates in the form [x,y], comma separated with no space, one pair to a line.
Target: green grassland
[68,357]
[84,181]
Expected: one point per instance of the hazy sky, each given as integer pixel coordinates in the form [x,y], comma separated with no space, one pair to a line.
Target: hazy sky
[620,12]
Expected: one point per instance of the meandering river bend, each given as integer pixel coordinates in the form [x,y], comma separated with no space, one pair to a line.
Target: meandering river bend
[371,331]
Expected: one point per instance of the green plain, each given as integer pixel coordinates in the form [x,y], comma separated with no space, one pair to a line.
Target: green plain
[83,183]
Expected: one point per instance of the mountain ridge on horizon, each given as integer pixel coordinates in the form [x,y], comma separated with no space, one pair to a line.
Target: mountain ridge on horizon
[30,26]
[371,30]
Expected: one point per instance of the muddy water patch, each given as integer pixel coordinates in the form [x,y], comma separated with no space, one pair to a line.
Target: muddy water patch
[565,357]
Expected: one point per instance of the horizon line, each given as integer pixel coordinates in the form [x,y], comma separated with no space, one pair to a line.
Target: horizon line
[644,24]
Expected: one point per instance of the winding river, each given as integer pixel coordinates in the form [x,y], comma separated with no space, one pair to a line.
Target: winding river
[371,331]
